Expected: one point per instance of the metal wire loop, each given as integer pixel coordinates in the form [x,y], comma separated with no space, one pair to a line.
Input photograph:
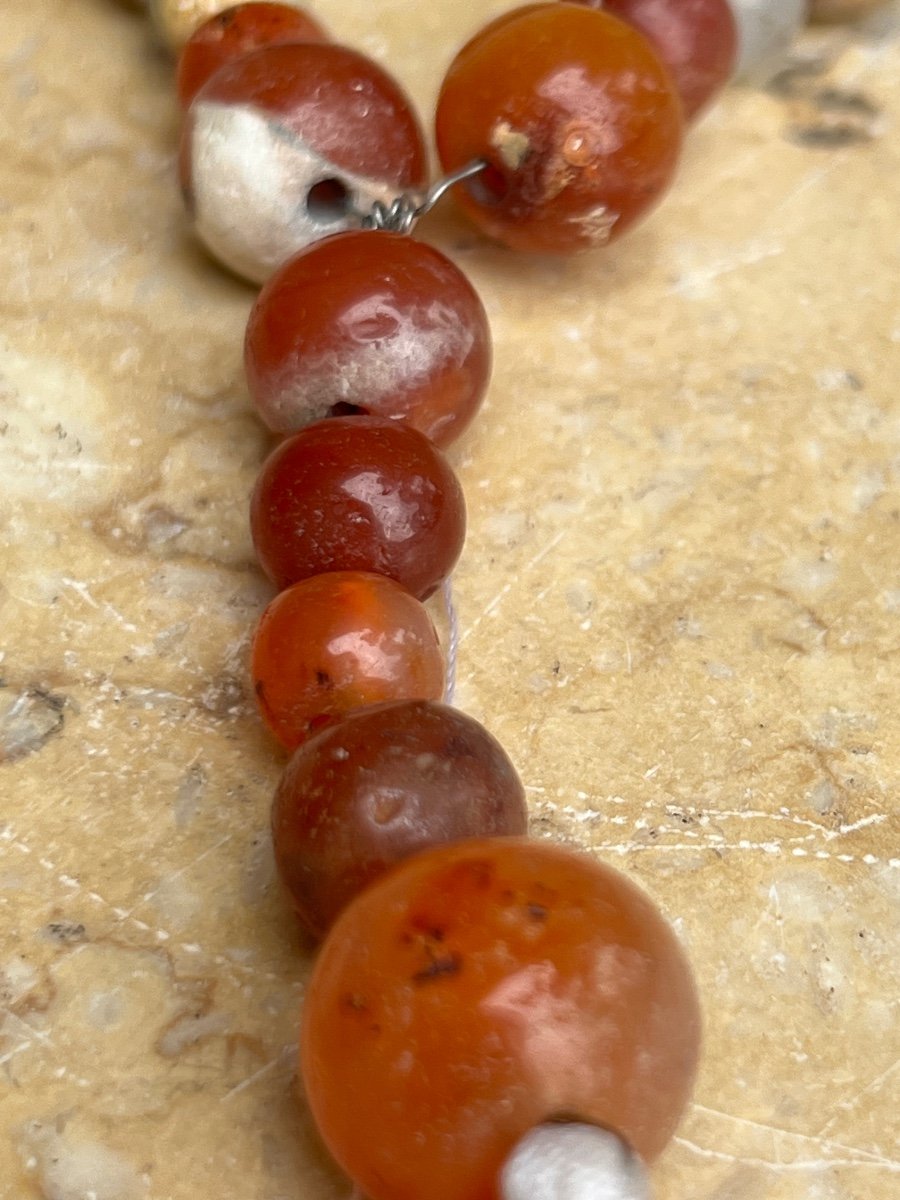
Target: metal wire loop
[401,214]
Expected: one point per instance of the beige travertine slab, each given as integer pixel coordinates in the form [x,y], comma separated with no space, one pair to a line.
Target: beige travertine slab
[679,602]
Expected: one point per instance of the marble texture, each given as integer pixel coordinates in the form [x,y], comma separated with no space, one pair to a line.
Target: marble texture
[679,605]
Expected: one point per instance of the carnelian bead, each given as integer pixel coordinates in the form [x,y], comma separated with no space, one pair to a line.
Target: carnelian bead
[338,641]
[236,31]
[480,989]
[577,118]
[379,785]
[376,322]
[289,144]
[696,39]
[358,494]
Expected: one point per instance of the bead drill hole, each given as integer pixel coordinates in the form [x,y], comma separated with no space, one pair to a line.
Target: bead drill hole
[489,186]
[328,201]
[344,409]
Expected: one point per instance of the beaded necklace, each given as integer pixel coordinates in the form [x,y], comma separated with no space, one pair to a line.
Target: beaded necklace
[459,873]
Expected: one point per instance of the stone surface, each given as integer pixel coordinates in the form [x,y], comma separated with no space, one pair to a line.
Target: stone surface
[679,605]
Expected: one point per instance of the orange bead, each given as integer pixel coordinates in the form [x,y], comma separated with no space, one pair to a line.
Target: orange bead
[339,641]
[235,32]
[480,989]
[577,118]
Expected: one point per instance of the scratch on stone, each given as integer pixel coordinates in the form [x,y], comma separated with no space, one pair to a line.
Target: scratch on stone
[286,1053]
[497,599]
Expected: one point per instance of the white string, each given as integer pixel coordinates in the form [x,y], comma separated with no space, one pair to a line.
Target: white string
[452,641]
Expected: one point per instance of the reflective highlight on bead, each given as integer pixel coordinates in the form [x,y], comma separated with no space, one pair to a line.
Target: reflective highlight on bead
[577,118]
[371,322]
[483,988]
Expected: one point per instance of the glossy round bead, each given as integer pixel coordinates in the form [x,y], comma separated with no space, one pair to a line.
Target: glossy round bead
[289,144]
[358,494]
[384,783]
[480,989]
[373,322]
[576,116]
[696,39]
[766,30]
[237,31]
[338,641]
[567,1161]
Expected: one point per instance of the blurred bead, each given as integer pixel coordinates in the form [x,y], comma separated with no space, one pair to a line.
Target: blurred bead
[766,31]
[696,39]
[384,783]
[235,32]
[375,322]
[340,641]
[576,116]
[836,11]
[290,144]
[358,494]
[568,1161]
[176,20]
[483,988]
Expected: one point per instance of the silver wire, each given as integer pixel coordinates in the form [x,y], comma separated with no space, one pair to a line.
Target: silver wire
[401,215]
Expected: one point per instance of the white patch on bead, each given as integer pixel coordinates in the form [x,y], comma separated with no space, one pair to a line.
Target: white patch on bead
[250,179]
[427,340]
[573,1162]
[766,29]
[596,224]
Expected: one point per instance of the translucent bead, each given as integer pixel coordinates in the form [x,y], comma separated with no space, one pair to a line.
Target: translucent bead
[577,118]
[358,494]
[483,988]
[567,1161]
[384,783]
[290,144]
[696,39]
[340,641]
[766,30]
[235,32]
[373,322]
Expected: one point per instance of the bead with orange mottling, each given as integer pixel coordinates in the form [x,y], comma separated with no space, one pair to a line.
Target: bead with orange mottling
[578,120]
[340,641]
[482,988]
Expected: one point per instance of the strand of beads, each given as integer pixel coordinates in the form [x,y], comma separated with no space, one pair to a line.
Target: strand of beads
[488,1016]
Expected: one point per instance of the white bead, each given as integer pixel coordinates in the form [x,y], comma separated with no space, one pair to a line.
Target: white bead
[249,184]
[560,1161]
[766,29]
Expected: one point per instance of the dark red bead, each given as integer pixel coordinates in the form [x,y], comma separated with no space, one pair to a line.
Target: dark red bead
[235,32]
[358,494]
[383,783]
[696,39]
